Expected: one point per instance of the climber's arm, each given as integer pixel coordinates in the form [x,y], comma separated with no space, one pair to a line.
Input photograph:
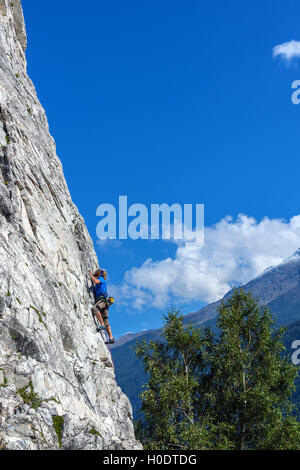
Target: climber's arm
[93,278]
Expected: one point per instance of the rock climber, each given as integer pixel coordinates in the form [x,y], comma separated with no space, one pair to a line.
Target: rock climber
[101,306]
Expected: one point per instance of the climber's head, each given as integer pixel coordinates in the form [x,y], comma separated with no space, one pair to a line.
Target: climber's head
[100,272]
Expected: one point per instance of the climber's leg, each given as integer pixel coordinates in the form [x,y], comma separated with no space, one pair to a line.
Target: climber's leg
[108,330]
[104,314]
[97,314]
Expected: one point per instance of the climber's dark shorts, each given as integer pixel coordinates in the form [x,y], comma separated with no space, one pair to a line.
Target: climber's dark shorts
[101,307]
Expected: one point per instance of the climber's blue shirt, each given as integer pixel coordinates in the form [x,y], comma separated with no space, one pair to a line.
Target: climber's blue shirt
[100,289]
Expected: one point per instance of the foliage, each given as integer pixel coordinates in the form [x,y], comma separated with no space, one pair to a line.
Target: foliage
[39,315]
[95,433]
[170,402]
[230,391]
[58,423]
[30,397]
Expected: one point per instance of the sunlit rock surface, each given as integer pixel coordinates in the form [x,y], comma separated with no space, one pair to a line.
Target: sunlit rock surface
[57,380]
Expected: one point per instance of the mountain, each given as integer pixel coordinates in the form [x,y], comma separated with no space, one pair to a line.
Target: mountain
[277,287]
[57,383]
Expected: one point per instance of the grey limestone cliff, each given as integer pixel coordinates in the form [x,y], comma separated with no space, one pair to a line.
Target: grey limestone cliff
[57,382]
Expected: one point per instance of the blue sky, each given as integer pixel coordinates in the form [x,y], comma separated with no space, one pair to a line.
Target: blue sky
[171,101]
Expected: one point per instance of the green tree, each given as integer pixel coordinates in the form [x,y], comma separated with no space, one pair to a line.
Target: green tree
[227,392]
[170,400]
[252,381]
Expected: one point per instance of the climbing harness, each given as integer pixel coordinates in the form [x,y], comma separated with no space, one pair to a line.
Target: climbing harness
[108,300]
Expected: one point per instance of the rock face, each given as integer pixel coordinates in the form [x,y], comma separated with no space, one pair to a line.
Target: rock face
[57,382]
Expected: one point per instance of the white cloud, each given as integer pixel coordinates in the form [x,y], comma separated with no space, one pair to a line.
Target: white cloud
[288,50]
[235,251]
